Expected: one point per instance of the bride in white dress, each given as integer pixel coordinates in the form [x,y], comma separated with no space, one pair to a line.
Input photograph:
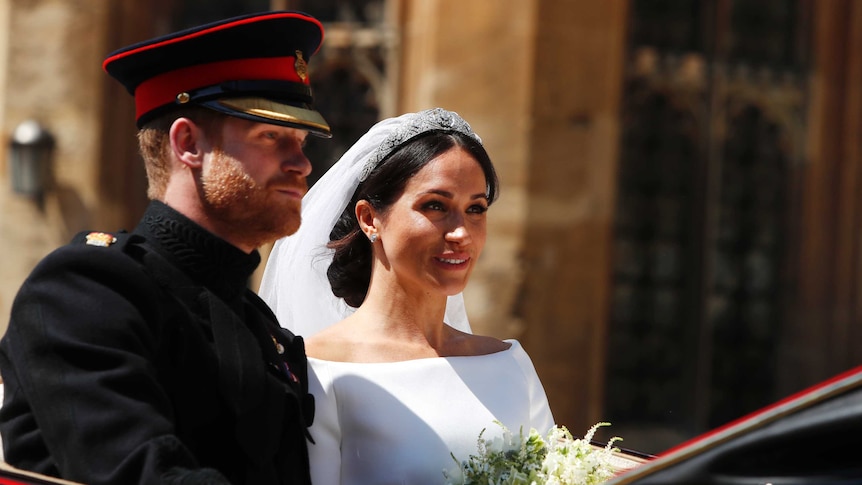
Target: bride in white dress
[390,235]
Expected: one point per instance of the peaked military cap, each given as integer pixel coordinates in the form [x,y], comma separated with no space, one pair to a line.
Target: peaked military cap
[252,67]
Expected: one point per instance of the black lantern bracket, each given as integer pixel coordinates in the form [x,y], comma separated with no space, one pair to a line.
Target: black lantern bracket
[30,152]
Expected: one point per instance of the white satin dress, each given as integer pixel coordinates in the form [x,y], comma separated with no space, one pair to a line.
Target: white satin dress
[398,422]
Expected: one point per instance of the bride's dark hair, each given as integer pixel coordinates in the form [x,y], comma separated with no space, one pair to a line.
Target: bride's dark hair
[350,271]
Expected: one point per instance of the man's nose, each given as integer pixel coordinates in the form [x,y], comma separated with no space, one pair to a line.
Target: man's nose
[296,161]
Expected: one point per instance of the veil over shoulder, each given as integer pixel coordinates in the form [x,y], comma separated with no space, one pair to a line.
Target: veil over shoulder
[294,282]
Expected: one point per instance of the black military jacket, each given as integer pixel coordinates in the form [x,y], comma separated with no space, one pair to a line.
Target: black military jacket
[144,358]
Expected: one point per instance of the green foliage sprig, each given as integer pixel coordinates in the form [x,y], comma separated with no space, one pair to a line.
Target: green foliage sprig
[557,459]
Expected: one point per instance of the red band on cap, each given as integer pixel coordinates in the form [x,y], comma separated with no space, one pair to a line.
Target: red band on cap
[164,88]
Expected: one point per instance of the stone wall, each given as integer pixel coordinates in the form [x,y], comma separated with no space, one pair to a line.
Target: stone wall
[52,52]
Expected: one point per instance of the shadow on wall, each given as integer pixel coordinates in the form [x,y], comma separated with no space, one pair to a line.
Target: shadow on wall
[74,215]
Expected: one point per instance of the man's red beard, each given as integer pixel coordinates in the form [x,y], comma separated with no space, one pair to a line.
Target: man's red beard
[245,210]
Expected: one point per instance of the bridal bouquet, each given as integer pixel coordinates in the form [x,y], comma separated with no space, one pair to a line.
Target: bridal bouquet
[558,459]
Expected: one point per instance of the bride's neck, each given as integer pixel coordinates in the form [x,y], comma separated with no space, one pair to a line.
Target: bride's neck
[403,317]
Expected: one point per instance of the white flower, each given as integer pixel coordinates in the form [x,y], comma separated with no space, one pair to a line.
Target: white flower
[531,460]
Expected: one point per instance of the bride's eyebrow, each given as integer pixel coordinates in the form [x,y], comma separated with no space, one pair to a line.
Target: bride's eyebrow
[441,193]
[449,195]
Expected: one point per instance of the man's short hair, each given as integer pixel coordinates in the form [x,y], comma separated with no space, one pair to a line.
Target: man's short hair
[155,144]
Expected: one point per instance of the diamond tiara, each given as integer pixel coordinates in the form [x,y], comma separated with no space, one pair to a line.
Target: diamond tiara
[436,119]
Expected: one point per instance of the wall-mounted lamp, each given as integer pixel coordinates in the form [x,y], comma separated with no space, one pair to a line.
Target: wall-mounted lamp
[30,154]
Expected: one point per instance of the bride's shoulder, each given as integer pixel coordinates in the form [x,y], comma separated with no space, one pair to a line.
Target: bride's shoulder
[329,344]
[471,344]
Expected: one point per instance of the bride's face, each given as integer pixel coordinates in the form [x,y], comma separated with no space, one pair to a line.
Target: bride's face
[431,237]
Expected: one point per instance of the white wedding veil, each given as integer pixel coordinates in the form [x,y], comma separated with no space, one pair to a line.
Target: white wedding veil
[294,282]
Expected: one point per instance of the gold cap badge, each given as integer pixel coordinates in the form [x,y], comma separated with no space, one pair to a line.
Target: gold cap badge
[300,65]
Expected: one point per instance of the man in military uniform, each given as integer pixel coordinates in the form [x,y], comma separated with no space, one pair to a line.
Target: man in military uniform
[143,357]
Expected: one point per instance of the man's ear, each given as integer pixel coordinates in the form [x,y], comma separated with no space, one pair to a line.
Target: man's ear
[187,141]
[366,216]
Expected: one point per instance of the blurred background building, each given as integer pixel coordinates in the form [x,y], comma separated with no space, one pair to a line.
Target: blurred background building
[678,238]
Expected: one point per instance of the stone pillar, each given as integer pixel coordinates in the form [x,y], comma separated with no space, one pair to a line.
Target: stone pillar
[572,187]
[822,335]
[476,58]
[540,81]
